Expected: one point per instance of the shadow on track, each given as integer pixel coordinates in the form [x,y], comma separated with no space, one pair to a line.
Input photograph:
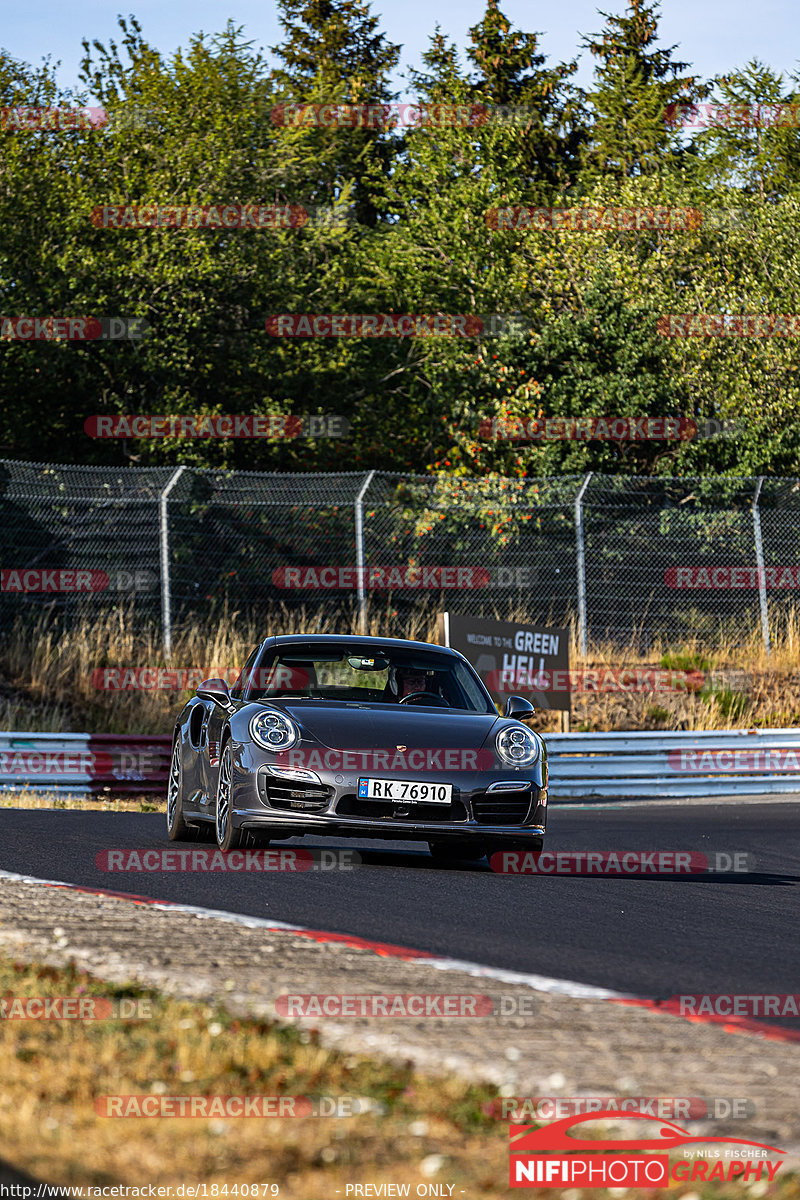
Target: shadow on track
[422,860]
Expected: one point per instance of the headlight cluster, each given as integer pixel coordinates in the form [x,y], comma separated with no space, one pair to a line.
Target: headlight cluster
[274,731]
[517,746]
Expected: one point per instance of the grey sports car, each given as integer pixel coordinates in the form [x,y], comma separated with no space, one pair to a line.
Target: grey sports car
[357,737]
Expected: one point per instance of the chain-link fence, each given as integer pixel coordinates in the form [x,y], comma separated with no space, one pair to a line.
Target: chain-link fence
[627,559]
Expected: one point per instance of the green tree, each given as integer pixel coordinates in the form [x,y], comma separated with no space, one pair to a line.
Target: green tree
[510,70]
[333,53]
[635,83]
[205,293]
[752,142]
[598,357]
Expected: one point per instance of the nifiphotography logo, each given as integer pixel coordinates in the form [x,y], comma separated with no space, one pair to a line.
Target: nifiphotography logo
[622,1163]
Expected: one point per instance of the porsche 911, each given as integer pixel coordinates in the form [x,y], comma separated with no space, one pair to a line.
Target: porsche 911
[358,737]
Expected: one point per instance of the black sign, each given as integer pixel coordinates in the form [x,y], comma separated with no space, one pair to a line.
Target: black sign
[514,660]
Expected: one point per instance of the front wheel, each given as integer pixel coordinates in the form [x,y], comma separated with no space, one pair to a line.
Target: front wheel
[177,829]
[457,851]
[228,838]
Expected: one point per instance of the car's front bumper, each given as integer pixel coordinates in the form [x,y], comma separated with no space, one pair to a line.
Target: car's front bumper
[262,801]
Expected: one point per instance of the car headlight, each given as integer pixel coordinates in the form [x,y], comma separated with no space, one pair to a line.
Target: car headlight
[517,746]
[274,731]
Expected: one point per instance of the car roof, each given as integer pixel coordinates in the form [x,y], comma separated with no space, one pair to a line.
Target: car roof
[351,639]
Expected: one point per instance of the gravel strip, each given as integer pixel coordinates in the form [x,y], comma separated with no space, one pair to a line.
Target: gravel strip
[561,1046]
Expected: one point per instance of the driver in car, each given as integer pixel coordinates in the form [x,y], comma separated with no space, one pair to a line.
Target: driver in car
[402,683]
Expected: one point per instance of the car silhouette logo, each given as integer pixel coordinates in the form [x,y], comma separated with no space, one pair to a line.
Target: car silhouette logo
[525,1139]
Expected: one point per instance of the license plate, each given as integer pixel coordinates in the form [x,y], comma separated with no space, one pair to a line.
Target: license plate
[406,790]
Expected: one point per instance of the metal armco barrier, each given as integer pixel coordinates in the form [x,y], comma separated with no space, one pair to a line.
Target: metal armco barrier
[82,763]
[728,762]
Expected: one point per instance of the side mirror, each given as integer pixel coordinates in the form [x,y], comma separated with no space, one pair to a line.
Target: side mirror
[215,690]
[517,707]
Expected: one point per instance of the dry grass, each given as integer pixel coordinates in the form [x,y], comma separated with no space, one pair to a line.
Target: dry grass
[38,798]
[411,1129]
[46,673]
[55,1070]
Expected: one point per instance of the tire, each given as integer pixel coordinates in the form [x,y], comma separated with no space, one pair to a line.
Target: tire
[177,829]
[457,851]
[228,838]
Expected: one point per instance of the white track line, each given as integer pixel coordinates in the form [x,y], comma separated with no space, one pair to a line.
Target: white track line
[538,983]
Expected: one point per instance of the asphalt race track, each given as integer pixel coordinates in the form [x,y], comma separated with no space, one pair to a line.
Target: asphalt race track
[655,937]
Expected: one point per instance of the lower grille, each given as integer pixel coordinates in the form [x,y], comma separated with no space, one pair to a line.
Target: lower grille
[298,797]
[355,806]
[501,808]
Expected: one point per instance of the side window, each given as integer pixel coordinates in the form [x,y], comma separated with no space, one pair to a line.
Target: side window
[244,675]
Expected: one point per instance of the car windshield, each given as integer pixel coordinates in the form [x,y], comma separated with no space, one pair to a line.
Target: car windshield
[367,674]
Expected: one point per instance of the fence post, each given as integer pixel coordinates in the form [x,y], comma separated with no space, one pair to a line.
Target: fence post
[362,591]
[166,606]
[582,632]
[762,583]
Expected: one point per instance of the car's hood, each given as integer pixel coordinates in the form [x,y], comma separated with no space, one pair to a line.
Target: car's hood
[342,727]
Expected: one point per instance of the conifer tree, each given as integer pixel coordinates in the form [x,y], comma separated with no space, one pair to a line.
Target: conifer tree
[510,70]
[333,53]
[752,142]
[635,83]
